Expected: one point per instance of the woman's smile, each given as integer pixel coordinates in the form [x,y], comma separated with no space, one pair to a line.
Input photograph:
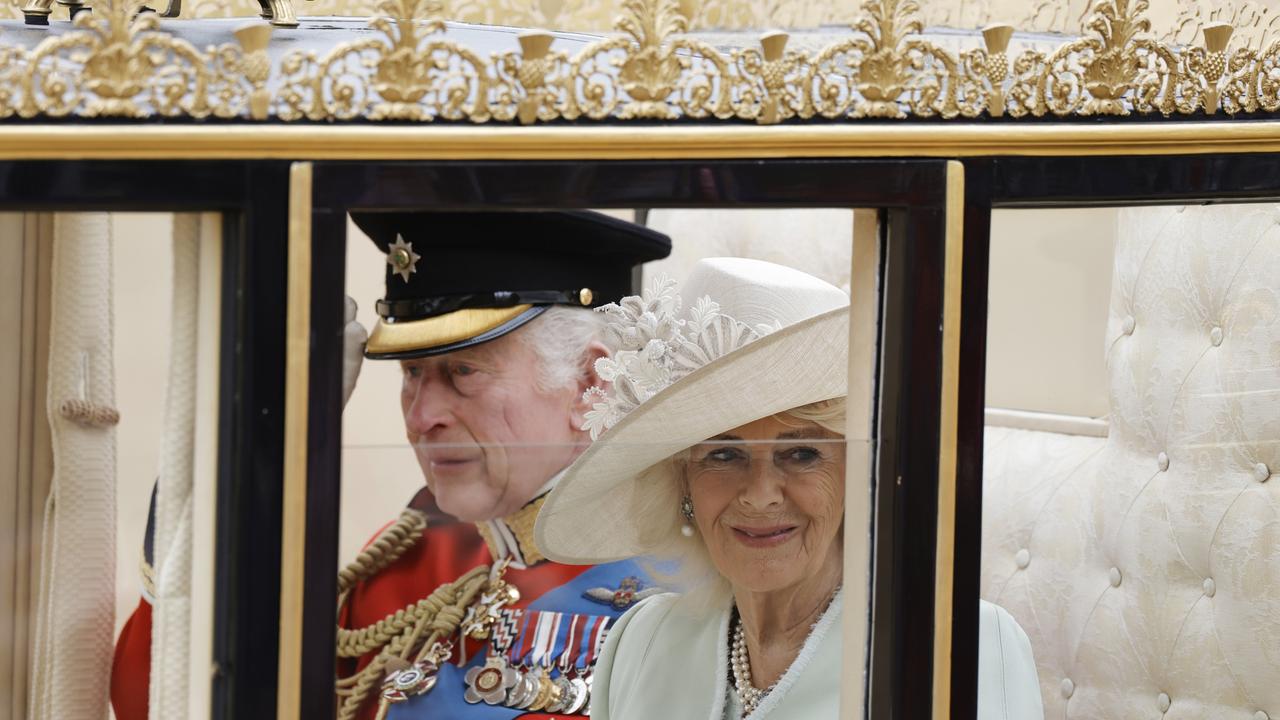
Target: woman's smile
[764,537]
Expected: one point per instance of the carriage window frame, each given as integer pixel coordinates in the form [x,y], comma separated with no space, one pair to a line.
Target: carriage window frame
[915,199]
[1171,163]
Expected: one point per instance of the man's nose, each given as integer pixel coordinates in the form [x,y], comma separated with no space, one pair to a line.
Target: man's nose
[763,488]
[430,409]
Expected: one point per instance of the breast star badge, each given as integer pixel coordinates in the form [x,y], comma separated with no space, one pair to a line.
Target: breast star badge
[402,259]
[418,678]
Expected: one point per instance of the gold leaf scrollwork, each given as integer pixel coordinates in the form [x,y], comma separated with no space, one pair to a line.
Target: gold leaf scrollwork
[883,75]
[1115,71]
[13,63]
[1264,82]
[416,76]
[118,63]
[650,70]
[889,69]
[1114,67]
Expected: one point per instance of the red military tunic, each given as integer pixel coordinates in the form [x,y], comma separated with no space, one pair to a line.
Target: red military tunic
[580,595]
[572,595]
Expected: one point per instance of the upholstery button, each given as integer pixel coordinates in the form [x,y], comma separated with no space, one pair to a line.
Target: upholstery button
[1210,587]
[1163,702]
[1116,577]
[1261,472]
[1068,687]
[1261,716]
[1023,558]
[1128,325]
[1163,461]
[1215,336]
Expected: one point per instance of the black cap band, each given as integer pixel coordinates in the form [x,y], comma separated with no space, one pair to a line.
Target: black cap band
[425,307]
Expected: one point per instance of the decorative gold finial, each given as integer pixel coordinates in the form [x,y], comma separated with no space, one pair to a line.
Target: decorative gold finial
[773,72]
[996,65]
[532,73]
[256,66]
[585,296]
[1217,35]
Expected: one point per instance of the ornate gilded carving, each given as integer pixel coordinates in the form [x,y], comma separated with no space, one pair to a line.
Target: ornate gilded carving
[417,75]
[992,64]
[119,62]
[772,81]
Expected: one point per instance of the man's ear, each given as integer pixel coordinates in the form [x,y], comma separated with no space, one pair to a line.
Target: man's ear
[587,379]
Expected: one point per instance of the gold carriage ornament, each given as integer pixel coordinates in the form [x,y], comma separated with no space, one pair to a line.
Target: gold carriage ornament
[410,65]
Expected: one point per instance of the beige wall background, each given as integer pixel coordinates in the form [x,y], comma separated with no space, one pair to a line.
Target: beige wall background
[143,275]
[1050,289]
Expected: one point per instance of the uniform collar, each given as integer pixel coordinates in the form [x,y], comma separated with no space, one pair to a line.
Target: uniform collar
[512,536]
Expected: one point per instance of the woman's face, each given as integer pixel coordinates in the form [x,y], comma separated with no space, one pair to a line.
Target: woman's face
[768,500]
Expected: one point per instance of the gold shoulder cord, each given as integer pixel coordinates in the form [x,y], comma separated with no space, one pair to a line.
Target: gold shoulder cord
[411,631]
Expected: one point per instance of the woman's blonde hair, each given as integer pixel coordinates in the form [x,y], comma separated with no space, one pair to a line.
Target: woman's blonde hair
[683,563]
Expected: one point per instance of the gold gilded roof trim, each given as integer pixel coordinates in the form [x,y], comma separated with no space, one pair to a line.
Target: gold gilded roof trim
[1256,22]
[120,63]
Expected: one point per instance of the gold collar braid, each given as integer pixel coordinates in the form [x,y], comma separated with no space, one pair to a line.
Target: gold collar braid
[517,527]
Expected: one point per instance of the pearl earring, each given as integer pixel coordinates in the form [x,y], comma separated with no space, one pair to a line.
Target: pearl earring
[686,509]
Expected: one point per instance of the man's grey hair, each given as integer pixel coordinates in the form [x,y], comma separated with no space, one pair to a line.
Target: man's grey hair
[560,338]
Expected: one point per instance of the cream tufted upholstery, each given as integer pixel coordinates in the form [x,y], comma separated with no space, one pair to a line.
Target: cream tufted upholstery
[1145,567]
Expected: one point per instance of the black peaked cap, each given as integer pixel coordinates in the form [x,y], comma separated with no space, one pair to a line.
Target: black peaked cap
[493,263]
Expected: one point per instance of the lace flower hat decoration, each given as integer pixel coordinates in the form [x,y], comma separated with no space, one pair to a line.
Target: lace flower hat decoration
[742,340]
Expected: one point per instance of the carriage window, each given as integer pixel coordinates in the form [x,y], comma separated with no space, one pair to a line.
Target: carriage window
[113,435]
[571,420]
[1129,449]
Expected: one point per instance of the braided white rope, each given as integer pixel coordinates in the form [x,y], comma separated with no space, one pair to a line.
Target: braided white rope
[171,618]
[76,615]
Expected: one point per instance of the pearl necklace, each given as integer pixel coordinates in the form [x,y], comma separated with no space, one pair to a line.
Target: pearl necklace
[748,694]
[740,664]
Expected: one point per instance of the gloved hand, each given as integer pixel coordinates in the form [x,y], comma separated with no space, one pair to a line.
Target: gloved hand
[353,339]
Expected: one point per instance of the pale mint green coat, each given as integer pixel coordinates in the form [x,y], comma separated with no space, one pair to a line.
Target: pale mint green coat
[666,659]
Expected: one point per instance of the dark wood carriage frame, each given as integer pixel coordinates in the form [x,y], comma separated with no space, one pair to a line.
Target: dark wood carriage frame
[911,397]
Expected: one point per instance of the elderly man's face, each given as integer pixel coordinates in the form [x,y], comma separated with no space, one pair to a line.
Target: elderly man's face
[768,499]
[486,436]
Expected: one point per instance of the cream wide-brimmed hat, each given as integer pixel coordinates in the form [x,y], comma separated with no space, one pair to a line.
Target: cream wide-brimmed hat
[743,340]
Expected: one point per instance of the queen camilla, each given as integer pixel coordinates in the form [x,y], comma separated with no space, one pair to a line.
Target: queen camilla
[723,449]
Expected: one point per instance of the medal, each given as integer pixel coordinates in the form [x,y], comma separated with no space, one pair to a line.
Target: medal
[489,684]
[418,678]
[488,609]
[548,692]
[525,690]
[581,696]
[564,695]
